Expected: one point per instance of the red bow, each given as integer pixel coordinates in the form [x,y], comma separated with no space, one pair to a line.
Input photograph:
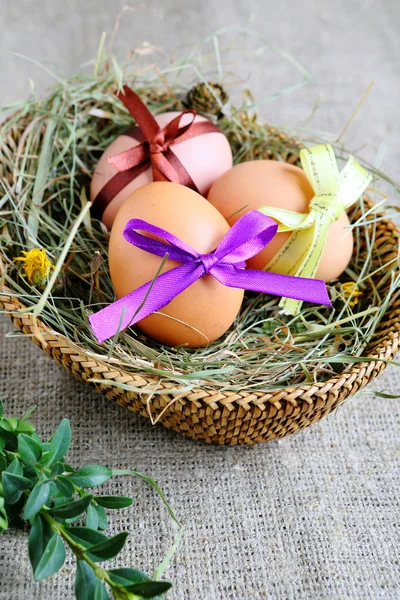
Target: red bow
[154,150]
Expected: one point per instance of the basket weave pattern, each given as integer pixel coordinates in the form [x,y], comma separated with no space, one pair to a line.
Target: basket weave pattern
[215,417]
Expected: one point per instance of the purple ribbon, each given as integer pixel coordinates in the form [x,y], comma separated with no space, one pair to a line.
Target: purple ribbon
[247,237]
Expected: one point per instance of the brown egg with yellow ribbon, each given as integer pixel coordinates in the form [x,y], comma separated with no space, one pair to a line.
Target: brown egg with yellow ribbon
[253,184]
[206,309]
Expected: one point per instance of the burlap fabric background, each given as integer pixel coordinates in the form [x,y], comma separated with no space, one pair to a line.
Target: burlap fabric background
[314,516]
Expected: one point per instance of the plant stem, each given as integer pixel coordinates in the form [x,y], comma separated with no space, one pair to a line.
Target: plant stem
[80,552]
[167,559]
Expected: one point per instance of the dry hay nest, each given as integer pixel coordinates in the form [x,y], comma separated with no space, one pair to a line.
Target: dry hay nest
[288,375]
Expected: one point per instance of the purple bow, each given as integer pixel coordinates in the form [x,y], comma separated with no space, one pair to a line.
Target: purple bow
[248,236]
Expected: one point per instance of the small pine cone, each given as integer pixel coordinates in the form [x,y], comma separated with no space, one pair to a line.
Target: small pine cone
[202,99]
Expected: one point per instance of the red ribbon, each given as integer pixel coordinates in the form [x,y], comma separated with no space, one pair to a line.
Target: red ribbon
[154,150]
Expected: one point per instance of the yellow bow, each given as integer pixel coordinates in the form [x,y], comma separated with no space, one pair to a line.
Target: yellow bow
[334,192]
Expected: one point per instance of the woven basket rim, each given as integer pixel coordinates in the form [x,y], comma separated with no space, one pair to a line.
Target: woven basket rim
[378,357]
[310,400]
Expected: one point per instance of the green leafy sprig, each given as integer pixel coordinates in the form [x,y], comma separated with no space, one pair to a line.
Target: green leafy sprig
[39,487]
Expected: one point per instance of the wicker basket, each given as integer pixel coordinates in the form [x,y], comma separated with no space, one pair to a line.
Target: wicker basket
[214,417]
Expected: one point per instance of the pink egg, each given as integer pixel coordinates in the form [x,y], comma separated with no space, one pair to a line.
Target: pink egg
[205,157]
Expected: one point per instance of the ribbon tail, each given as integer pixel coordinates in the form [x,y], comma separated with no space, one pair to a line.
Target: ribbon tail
[320,166]
[184,177]
[135,133]
[115,185]
[290,256]
[308,266]
[354,180]
[167,167]
[143,301]
[300,289]
[139,111]
[309,263]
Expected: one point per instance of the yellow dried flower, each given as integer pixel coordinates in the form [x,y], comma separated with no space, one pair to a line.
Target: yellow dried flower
[36,265]
[350,289]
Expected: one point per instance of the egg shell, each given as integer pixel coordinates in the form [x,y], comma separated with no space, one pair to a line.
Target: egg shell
[205,157]
[206,309]
[253,184]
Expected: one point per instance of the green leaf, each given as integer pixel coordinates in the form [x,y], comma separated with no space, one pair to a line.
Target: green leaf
[16,467]
[10,437]
[3,513]
[60,500]
[72,520]
[72,509]
[45,457]
[3,521]
[2,443]
[31,472]
[85,581]
[57,469]
[103,521]
[65,486]
[25,427]
[1,409]
[13,486]
[114,502]
[59,443]
[30,411]
[86,537]
[91,476]
[29,450]
[39,537]
[149,589]
[100,592]
[37,499]
[127,577]
[92,518]
[110,547]
[52,559]
[9,424]
[15,510]
[55,493]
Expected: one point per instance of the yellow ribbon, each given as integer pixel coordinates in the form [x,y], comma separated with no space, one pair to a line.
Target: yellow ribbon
[335,192]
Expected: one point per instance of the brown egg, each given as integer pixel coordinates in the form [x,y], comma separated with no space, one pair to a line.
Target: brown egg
[271,183]
[205,157]
[206,309]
